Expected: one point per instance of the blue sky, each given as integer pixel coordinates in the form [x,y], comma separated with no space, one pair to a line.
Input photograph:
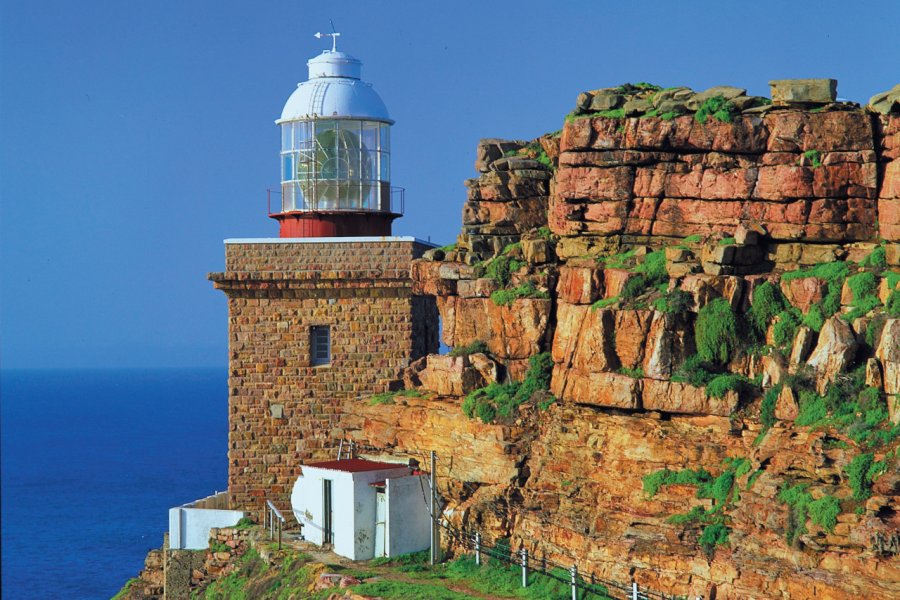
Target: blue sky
[137,136]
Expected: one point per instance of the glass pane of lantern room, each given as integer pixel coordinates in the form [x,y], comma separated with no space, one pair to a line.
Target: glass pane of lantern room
[385,141]
[369,139]
[286,143]
[385,167]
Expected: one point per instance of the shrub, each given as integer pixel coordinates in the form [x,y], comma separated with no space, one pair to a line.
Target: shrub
[474,348]
[674,302]
[834,274]
[244,523]
[786,328]
[693,371]
[654,267]
[814,157]
[877,259]
[500,269]
[767,302]
[813,409]
[720,385]
[718,108]
[654,481]
[504,398]
[637,373]
[814,319]
[525,290]
[604,302]
[634,287]
[767,408]
[859,475]
[716,332]
[824,512]
[892,308]
[797,499]
[714,534]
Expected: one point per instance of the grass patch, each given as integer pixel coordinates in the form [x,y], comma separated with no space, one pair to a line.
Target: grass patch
[718,108]
[475,347]
[637,373]
[727,241]
[604,302]
[402,590]
[390,397]
[123,593]
[525,290]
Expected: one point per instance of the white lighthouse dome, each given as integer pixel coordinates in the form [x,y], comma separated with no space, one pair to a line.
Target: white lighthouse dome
[334,90]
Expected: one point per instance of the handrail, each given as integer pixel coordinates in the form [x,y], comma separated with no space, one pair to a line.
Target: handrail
[275,510]
[269,521]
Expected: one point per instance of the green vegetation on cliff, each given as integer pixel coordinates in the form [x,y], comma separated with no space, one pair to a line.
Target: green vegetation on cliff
[503,399]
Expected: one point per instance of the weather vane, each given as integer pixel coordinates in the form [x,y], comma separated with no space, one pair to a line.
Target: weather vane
[333,35]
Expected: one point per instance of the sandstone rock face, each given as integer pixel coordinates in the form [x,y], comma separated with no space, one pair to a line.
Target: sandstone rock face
[833,352]
[695,207]
[799,175]
[889,354]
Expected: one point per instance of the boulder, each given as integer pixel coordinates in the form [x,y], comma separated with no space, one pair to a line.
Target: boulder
[803,292]
[835,351]
[786,406]
[803,91]
[886,102]
[888,353]
[675,397]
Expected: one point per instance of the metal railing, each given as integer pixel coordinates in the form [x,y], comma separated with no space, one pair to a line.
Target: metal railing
[271,516]
[394,202]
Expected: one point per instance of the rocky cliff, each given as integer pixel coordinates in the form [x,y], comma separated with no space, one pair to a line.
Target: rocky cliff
[676,334]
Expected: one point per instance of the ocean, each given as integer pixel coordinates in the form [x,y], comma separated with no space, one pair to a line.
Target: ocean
[91,462]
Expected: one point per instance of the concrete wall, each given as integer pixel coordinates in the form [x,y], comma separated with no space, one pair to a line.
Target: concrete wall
[408,516]
[189,525]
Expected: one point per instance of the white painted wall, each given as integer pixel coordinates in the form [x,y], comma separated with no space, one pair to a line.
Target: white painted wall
[408,516]
[353,507]
[189,527]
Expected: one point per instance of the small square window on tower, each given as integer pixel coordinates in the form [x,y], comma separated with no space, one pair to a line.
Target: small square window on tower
[319,345]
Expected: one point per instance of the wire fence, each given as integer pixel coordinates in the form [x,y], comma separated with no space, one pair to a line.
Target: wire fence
[584,585]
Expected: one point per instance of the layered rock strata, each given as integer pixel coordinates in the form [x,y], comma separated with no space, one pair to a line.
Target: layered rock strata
[777,218]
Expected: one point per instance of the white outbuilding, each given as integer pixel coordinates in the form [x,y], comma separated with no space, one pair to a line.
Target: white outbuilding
[364,509]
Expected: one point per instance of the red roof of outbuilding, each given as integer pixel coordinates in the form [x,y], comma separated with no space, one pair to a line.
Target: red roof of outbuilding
[355,465]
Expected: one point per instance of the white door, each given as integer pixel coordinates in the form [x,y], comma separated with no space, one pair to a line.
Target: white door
[380,524]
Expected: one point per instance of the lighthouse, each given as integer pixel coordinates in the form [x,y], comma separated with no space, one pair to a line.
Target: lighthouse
[335,154]
[323,316]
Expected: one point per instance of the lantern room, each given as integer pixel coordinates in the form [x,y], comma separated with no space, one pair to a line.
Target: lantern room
[335,155]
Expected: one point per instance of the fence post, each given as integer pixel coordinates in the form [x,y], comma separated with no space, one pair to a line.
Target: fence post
[574,573]
[477,548]
[524,553]
[634,590]
[433,509]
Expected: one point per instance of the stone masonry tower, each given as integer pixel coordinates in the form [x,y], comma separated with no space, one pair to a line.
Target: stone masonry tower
[323,316]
